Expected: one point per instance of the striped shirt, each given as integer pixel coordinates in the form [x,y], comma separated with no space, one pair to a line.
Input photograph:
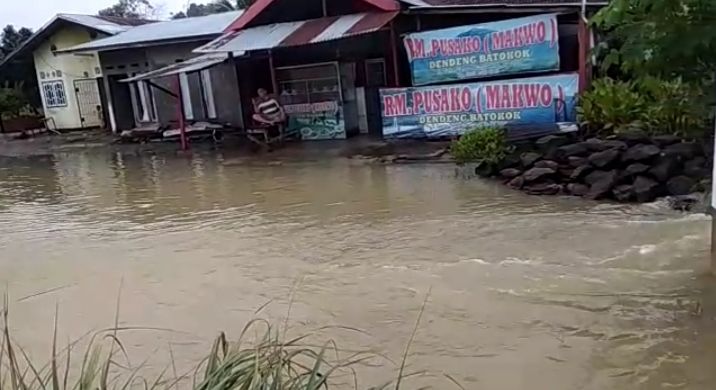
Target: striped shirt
[269,108]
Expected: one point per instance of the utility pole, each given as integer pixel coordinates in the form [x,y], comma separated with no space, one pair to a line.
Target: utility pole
[712,209]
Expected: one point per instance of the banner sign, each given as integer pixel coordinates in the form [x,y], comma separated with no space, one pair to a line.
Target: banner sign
[447,110]
[512,46]
[316,121]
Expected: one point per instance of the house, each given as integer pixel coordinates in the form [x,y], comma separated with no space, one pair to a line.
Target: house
[141,95]
[68,84]
[331,61]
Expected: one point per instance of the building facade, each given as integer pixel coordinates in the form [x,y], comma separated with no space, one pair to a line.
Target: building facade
[68,84]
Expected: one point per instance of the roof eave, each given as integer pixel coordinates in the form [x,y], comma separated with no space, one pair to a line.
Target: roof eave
[139,45]
[41,32]
[501,6]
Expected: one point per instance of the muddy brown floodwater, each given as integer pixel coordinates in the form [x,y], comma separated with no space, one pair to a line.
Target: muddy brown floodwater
[527,292]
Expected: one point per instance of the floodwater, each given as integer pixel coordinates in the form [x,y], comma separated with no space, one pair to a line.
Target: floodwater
[524,292]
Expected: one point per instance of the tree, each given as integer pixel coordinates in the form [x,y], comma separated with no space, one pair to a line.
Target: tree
[214,7]
[11,39]
[130,9]
[665,38]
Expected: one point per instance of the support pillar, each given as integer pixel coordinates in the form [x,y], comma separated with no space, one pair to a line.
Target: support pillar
[274,81]
[394,54]
[180,114]
[584,49]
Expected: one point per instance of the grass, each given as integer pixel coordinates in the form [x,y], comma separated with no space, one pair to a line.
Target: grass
[268,361]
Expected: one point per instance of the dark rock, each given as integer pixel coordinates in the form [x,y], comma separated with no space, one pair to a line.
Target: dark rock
[634,137]
[680,185]
[623,192]
[684,202]
[510,173]
[640,152]
[529,158]
[575,161]
[635,169]
[600,176]
[696,168]
[600,145]
[512,160]
[682,150]
[543,189]
[535,174]
[547,164]
[645,189]
[605,158]
[566,151]
[566,172]
[601,183]
[579,172]
[550,142]
[484,169]
[665,139]
[664,168]
[517,182]
[577,189]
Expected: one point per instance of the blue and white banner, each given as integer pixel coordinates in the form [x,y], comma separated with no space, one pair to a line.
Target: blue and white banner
[512,46]
[447,110]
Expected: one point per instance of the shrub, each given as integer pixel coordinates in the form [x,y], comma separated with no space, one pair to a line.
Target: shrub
[649,104]
[483,144]
[12,100]
[611,107]
[676,108]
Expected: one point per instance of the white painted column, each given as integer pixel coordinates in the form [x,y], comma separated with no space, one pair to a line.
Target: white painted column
[186,96]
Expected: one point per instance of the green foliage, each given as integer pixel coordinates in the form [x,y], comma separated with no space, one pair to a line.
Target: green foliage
[213,7]
[483,144]
[664,38]
[130,9]
[611,106]
[268,361]
[674,107]
[649,104]
[12,100]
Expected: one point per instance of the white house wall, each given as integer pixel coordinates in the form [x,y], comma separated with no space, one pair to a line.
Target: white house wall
[71,67]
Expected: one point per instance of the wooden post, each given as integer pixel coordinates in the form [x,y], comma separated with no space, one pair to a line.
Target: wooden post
[583,39]
[180,114]
[394,52]
[712,211]
[274,82]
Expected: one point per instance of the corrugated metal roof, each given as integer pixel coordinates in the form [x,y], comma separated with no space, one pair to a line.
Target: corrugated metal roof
[98,23]
[187,28]
[191,65]
[298,33]
[110,26]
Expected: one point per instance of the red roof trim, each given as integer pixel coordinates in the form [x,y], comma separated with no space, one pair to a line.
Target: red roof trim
[372,22]
[307,31]
[253,11]
[385,5]
[260,5]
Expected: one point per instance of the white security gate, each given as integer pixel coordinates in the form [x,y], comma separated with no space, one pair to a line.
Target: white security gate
[89,102]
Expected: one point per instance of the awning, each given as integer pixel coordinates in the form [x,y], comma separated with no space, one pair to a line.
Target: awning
[298,33]
[191,65]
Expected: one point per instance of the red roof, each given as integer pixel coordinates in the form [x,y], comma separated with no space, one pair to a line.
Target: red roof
[260,6]
[298,33]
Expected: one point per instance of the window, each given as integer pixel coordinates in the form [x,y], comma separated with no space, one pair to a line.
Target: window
[375,73]
[54,93]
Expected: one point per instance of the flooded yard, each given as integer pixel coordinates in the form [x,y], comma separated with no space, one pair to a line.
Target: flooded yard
[526,292]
